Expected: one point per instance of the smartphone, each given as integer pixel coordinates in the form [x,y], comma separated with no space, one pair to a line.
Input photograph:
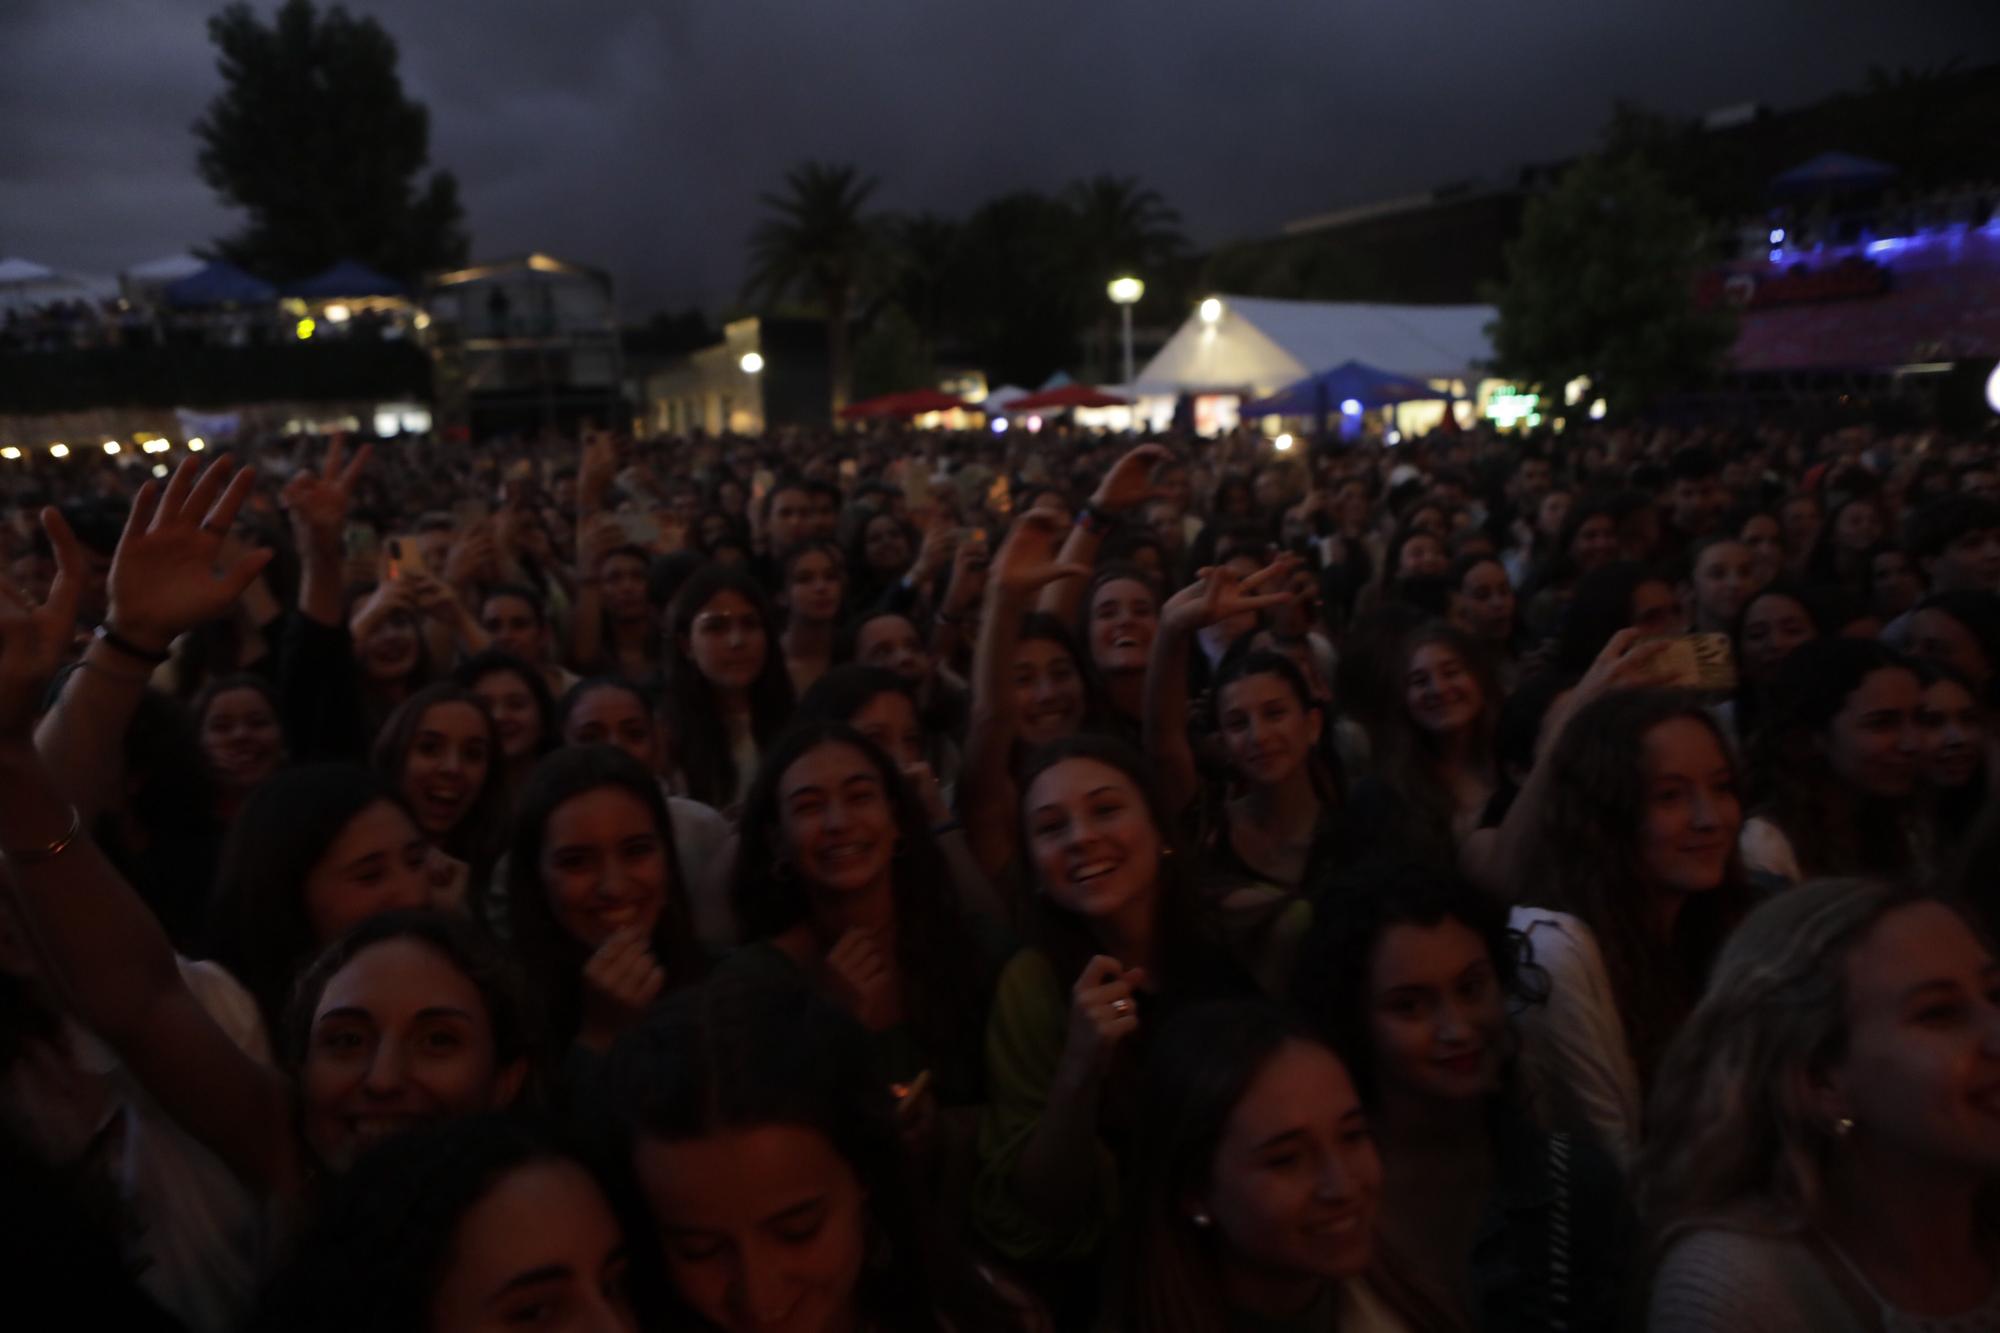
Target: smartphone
[1697,662]
[405,555]
[916,486]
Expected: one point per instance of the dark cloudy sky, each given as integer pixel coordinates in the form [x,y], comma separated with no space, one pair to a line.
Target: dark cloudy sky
[636,134]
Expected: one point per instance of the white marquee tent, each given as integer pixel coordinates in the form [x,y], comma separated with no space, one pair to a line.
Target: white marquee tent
[1259,345]
[26,285]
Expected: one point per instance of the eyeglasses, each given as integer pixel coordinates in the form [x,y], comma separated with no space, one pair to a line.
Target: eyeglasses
[718,624]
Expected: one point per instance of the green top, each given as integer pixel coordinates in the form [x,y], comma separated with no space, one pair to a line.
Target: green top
[1024,1045]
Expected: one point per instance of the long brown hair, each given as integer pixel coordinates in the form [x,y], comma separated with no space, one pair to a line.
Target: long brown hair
[1588,863]
[1406,756]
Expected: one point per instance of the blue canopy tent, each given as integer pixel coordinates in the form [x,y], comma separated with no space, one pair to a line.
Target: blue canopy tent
[1351,381]
[346,279]
[1834,171]
[221,283]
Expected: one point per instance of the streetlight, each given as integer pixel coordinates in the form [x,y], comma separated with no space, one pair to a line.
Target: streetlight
[1211,310]
[1125,293]
[752,363]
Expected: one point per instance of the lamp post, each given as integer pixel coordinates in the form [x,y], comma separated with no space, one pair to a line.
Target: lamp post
[1125,293]
[752,365]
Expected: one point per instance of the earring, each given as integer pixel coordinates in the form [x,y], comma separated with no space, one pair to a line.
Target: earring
[1843,1127]
[1201,1219]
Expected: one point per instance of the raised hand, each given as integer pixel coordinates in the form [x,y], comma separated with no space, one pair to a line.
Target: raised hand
[1218,593]
[1027,559]
[1103,1012]
[968,576]
[1129,483]
[864,981]
[166,576]
[318,501]
[620,981]
[473,557]
[35,638]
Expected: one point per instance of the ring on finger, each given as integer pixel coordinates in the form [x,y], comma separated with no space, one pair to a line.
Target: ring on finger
[1121,1007]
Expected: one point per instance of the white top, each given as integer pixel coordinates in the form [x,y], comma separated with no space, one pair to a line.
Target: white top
[1573,1045]
[705,843]
[1767,851]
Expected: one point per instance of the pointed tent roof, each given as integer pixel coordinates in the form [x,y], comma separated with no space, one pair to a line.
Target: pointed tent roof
[347,278]
[16,270]
[171,268]
[1260,345]
[221,283]
[1325,392]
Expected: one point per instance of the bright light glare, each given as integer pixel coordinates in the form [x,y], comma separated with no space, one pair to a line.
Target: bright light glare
[1126,291]
[1777,235]
[1282,443]
[58,450]
[305,329]
[1211,311]
[752,362]
[10,453]
[337,314]
[999,425]
[197,444]
[1351,407]
[1993,389]
[1598,409]
[1034,423]
[159,469]
[1393,437]
[111,446]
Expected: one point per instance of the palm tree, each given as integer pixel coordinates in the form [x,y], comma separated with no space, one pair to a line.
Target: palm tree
[816,243]
[1121,227]
[929,250]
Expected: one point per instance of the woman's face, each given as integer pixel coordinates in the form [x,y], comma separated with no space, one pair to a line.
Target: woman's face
[1422,557]
[1296,1181]
[242,739]
[1124,616]
[622,581]
[1692,812]
[890,720]
[1656,610]
[1094,843]
[604,866]
[1801,519]
[1766,543]
[728,642]
[1435,1012]
[373,865]
[1723,581]
[1938,636]
[1440,691]
[1485,602]
[1873,742]
[541,1249]
[1773,626]
[1431,519]
[1048,692]
[391,650]
[836,820]
[511,704]
[1920,1077]
[614,717]
[763,1228]
[446,766]
[732,497]
[400,1038]
[885,545]
[1857,527]
[815,587]
[714,527]
[1266,731]
[1954,735]
[1595,544]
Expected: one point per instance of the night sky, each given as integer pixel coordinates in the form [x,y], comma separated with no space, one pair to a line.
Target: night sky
[636,134]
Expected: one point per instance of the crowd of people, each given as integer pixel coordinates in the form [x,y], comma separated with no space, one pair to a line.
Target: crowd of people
[912,881]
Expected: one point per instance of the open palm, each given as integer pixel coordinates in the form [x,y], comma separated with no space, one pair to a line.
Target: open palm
[34,639]
[169,573]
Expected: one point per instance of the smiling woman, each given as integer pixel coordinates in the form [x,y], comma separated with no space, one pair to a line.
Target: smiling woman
[441,749]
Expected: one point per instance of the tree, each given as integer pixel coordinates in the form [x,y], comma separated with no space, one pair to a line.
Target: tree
[818,243]
[1601,282]
[314,139]
[1121,227]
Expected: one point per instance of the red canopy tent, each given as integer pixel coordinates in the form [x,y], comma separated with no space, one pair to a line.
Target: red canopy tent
[1068,396]
[910,403]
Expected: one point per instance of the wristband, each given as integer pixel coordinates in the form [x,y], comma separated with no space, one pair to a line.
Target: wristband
[49,851]
[1094,520]
[112,639]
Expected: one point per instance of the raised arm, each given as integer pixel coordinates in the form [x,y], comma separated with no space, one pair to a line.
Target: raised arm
[1125,487]
[1025,563]
[106,951]
[1216,595]
[163,581]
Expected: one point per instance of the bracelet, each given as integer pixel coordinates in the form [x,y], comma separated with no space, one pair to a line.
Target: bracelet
[36,855]
[118,642]
[1095,521]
